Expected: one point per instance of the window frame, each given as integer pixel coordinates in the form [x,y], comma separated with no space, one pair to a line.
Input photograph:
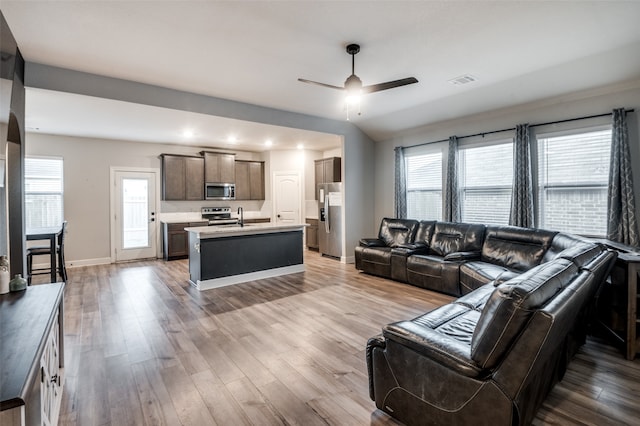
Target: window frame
[27,193]
[539,183]
[429,149]
[462,190]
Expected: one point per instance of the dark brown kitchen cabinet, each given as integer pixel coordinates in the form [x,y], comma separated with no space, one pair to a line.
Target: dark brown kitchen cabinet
[312,234]
[327,170]
[175,240]
[219,167]
[182,178]
[249,180]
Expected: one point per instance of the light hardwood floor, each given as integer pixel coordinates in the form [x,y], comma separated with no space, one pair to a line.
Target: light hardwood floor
[143,347]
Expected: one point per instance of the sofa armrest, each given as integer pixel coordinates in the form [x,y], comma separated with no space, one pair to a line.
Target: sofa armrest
[374,342]
[463,255]
[439,347]
[410,249]
[372,242]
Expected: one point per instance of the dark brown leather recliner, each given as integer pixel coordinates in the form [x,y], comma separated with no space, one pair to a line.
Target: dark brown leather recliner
[373,255]
[491,356]
[506,251]
[450,245]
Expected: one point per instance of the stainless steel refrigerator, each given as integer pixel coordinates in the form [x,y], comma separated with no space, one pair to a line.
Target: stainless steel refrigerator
[330,226]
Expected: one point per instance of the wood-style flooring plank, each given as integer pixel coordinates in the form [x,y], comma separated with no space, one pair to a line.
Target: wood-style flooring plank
[143,347]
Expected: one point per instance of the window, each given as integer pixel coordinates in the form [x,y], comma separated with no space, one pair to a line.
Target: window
[573,176]
[43,192]
[486,176]
[424,185]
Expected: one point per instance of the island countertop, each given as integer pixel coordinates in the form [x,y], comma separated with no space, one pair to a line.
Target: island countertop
[219,231]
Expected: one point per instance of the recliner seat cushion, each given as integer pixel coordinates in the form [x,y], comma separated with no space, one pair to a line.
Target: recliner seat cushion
[515,248]
[476,274]
[511,305]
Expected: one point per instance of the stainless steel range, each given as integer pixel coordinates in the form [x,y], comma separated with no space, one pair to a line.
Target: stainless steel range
[217,215]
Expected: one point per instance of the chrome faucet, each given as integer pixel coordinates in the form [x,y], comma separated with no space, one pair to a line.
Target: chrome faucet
[241,213]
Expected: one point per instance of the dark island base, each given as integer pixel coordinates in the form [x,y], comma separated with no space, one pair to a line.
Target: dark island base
[217,262]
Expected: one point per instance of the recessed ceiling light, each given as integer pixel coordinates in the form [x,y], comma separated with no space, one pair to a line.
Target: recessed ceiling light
[268,142]
[187,133]
[300,146]
[232,139]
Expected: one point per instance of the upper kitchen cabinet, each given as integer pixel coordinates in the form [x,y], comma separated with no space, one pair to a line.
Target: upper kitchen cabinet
[182,178]
[219,167]
[249,180]
[328,170]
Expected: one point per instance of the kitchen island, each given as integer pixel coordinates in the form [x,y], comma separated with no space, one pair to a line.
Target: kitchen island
[232,254]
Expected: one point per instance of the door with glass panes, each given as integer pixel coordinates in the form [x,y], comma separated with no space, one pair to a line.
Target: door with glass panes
[134,218]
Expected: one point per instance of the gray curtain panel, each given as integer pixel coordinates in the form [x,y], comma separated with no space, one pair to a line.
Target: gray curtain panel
[400,184]
[451,211]
[622,224]
[522,190]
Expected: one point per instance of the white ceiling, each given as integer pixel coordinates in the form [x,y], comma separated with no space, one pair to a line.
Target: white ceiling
[254,52]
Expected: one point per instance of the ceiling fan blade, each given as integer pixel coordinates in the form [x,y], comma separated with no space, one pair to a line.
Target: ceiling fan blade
[389,85]
[320,84]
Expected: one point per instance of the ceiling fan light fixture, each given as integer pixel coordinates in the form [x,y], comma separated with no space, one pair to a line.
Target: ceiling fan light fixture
[353,85]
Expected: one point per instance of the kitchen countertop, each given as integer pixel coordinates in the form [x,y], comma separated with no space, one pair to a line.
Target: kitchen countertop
[218,231]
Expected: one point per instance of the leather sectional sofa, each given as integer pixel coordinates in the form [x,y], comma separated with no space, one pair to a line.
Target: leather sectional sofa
[492,355]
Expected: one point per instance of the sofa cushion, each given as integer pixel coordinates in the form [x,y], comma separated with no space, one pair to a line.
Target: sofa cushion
[561,242]
[477,274]
[425,231]
[510,306]
[449,237]
[478,298]
[581,253]
[396,232]
[515,248]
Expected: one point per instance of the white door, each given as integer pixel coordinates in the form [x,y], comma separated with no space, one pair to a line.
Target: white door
[134,218]
[288,197]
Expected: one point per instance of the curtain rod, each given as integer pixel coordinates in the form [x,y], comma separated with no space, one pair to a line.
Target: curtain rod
[483,134]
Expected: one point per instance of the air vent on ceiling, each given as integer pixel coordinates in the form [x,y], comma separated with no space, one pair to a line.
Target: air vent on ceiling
[463,79]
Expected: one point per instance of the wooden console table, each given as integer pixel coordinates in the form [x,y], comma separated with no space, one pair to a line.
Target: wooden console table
[618,303]
[31,355]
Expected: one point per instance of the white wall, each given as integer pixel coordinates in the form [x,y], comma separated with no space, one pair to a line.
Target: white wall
[357,152]
[87,164]
[586,103]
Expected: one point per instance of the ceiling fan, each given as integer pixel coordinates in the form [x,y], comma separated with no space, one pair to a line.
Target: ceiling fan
[353,84]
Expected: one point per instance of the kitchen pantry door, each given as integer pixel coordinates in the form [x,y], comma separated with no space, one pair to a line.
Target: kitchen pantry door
[134,207]
[288,196]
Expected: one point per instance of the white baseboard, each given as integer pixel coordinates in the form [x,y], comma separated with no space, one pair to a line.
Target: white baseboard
[78,263]
[251,276]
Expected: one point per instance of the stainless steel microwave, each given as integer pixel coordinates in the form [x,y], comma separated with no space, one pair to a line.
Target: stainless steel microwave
[220,191]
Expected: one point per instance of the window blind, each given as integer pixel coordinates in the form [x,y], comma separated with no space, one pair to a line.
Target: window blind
[573,176]
[486,176]
[43,179]
[424,186]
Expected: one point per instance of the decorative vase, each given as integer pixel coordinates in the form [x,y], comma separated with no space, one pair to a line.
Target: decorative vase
[17,283]
[4,275]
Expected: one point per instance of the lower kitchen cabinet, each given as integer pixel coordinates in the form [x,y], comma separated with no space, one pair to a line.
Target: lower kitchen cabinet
[312,234]
[175,240]
[32,354]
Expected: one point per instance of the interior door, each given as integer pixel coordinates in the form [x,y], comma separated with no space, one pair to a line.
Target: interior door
[287,198]
[134,218]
